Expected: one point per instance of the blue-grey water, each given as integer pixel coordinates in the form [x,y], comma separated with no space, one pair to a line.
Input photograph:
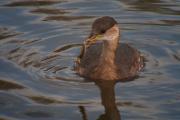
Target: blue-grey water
[40,39]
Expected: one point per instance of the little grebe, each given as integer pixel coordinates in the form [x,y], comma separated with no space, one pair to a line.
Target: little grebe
[102,56]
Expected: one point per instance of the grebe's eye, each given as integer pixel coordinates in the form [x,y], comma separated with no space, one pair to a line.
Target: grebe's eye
[103,31]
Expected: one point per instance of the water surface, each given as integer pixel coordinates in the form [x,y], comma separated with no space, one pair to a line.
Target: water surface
[40,39]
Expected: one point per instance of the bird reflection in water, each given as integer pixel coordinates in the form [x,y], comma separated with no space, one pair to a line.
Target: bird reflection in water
[108,101]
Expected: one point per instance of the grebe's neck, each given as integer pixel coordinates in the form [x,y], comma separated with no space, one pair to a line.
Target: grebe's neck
[109,50]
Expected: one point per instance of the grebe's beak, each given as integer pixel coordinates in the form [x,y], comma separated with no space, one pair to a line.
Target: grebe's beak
[92,39]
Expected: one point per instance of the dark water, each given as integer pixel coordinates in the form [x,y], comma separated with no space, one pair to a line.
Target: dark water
[40,39]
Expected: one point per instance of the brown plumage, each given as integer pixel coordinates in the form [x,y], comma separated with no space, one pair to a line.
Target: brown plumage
[107,59]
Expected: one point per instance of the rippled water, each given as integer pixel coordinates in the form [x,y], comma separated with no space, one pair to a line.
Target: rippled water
[40,39]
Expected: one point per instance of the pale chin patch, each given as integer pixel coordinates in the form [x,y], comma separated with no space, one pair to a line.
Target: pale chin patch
[109,37]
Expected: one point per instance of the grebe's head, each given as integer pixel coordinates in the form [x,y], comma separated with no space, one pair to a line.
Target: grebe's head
[104,28]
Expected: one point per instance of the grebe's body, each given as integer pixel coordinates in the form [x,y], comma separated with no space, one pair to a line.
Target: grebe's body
[107,59]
